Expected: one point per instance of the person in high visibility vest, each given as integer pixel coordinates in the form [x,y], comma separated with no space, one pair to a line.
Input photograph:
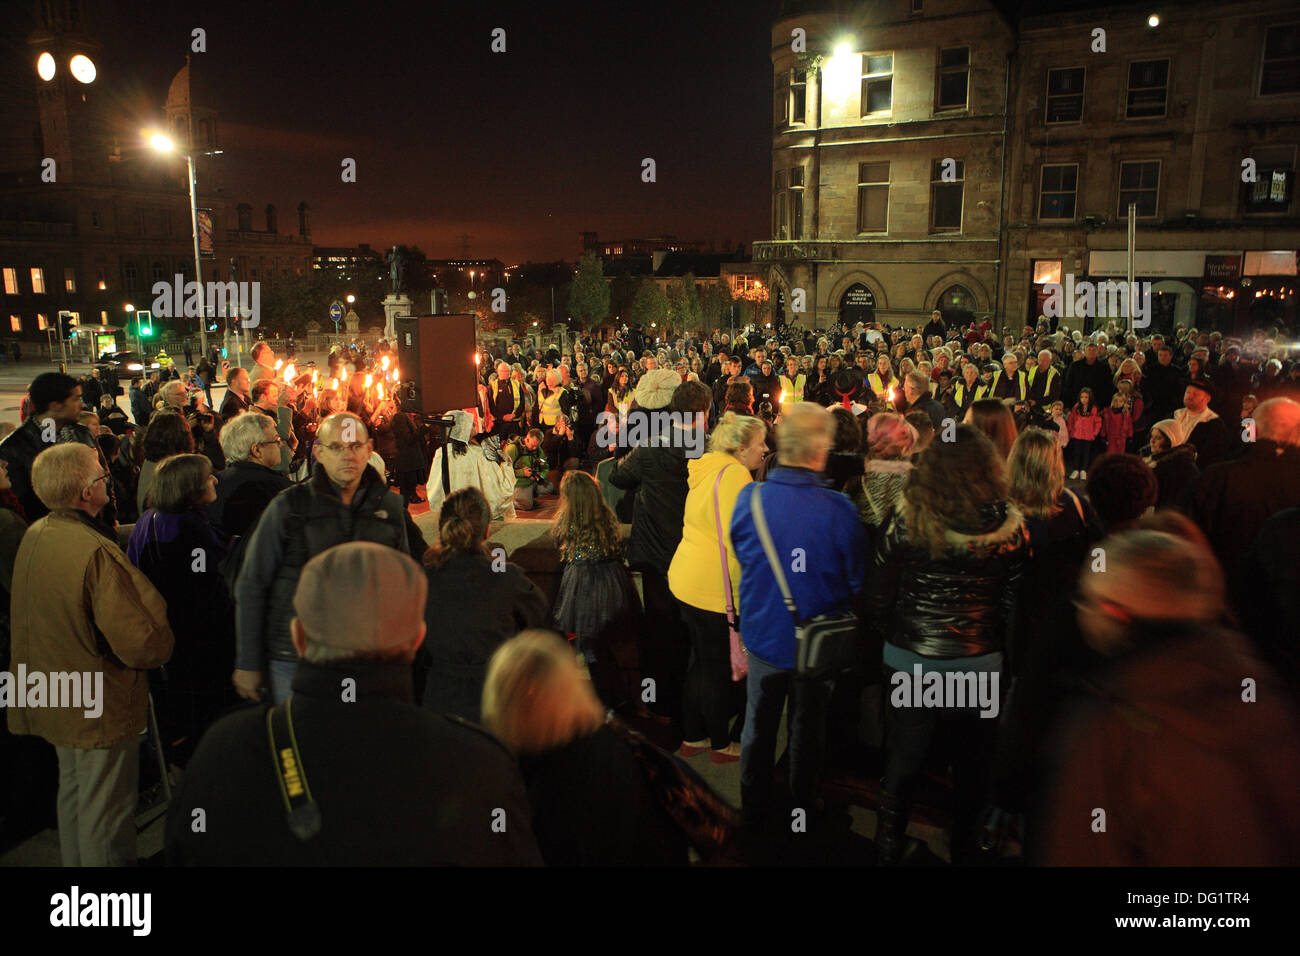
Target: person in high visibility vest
[883,377]
[507,402]
[966,392]
[1044,385]
[1011,387]
[793,382]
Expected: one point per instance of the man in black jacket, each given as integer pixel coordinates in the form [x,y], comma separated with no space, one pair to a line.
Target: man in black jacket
[345,500]
[1089,372]
[249,482]
[237,397]
[392,784]
[1162,385]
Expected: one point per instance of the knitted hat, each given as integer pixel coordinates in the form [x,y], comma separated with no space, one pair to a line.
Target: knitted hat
[1171,430]
[656,387]
[381,606]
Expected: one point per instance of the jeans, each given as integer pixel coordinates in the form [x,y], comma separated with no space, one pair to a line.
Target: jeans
[768,689]
[282,680]
[712,697]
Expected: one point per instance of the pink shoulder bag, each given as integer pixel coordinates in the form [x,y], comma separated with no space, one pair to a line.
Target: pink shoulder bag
[739,661]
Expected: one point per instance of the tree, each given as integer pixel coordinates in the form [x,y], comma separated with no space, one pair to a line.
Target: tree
[684,304]
[715,305]
[649,305]
[588,300]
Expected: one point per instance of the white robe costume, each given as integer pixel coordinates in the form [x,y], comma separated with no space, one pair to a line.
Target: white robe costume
[471,470]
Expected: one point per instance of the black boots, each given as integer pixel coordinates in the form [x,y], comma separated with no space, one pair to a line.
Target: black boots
[891,828]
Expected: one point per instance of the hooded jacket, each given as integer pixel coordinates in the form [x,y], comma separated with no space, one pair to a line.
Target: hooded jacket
[695,575]
[960,604]
[659,478]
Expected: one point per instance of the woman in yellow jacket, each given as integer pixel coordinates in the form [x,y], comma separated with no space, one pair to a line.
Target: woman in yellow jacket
[695,577]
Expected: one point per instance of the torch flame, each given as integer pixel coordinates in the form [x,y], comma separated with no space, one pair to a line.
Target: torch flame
[477,358]
[278,363]
[381,391]
[289,371]
[369,377]
[384,362]
[334,384]
[780,399]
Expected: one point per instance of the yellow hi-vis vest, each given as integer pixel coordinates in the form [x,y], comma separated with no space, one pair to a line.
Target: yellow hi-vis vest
[549,407]
[1020,376]
[1051,374]
[793,391]
[514,387]
[879,385]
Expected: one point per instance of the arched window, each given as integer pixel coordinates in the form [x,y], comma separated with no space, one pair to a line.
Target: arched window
[857,304]
[958,306]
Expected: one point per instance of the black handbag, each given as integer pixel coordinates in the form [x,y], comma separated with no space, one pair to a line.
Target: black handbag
[825,644]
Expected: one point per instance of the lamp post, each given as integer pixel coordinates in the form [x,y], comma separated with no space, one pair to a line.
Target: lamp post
[165,145]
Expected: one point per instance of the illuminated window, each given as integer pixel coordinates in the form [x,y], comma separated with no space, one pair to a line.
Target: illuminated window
[798,96]
[38,280]
[873,197]
[877,83]
[11,281]
[1148,89]
[1065,95]
[103,281]
[1274,184]
[42,321]
[69,279]
[954,71]
[15,322]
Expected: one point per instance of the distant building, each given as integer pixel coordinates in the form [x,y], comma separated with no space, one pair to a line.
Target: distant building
[617,248]
[115,219]
[479,273]
[345,262]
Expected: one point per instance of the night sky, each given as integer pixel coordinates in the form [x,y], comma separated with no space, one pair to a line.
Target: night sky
[523,150]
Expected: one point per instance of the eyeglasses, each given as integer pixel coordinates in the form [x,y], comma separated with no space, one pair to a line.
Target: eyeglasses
[104,477]
[277,440]
[352,448]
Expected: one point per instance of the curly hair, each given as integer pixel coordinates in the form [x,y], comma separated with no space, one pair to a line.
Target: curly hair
[585,526]
[951,485]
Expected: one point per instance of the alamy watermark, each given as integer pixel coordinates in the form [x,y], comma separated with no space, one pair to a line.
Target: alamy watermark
[192,300]
[58,689]
[949,690]
[642,429]
[1105,299]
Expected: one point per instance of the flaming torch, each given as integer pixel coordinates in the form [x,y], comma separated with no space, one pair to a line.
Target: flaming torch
[289,371]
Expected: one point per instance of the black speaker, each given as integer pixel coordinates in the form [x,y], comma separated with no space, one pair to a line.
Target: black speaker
[436,356]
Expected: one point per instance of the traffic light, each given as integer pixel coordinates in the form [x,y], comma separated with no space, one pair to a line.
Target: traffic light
[144,322]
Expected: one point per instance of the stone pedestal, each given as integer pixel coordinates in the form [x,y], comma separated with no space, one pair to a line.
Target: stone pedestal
[352,323]
[394,305]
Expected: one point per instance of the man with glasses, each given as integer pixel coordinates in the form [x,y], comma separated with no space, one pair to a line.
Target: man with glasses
[250,479]
[344,500]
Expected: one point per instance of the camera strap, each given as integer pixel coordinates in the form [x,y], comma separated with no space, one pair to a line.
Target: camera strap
[303,813]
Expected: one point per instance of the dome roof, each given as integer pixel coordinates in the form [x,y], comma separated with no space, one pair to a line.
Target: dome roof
[190,88]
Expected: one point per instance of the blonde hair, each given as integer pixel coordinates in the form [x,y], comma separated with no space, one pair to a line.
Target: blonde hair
[61,472]
[534,697]
[1037,473]
[804,434]
[734,432]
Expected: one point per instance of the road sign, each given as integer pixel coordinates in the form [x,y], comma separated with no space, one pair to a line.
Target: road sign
[336,312]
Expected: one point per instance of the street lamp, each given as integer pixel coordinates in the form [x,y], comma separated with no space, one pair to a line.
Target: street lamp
[164,145]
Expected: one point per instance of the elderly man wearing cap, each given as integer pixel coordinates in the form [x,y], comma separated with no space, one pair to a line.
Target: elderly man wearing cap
[368,777]
[1203,429]
[344,500]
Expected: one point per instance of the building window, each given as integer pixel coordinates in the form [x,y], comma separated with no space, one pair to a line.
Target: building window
[95,220]
[158,272]
[873,197]
[103,279]
[778,208]
[799,96]
[1281,72]
[956,298]
[103,316]
[15,322]
[1065,95]
[796,202]
[140,225]
[69,279]
[129,276]
[1059,188]
[1148,89]
[1274,183]
[1139,182]
[42,321]
[917,6]
[954,71]
[877,83]
[946,195]
[11,281]
[38,280]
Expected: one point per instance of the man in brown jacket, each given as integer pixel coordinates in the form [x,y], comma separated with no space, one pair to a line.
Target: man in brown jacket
[79,608]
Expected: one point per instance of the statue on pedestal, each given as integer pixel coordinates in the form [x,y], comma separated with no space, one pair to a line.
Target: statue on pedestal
[397,269]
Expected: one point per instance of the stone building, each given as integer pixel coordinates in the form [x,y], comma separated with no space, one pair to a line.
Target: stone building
[960,154]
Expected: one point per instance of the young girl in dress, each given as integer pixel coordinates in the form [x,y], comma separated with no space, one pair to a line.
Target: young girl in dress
[597,605]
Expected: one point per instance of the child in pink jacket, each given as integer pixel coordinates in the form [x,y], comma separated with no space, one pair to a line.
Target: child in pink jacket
[1086,424]
[1118,425]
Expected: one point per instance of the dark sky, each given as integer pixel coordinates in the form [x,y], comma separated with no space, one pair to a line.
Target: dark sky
[523,150]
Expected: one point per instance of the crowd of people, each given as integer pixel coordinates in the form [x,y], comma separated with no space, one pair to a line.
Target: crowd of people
[1098,531]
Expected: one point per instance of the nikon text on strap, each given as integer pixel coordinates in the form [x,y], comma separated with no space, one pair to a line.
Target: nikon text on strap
[302,811]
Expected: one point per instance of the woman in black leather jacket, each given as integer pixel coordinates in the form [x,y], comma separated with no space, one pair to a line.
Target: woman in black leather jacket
[948,568]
